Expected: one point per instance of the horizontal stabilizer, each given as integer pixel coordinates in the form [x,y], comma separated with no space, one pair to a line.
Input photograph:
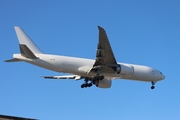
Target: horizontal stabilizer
[76,77]
[13,60]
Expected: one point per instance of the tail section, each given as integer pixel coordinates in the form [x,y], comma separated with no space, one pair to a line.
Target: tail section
[24,40]
[27,48]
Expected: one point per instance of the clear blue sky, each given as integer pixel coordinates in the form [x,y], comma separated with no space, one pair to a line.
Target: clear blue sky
[140,32]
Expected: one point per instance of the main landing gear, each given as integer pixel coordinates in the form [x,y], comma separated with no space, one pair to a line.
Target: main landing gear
[86,84]
[153,83]
[94,81]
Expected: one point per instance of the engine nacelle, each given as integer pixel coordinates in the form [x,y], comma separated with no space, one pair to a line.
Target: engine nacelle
[103,83]
[127,70]
[118,69]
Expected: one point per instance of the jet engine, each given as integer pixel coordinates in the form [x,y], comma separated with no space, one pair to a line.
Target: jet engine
[118,69]
[103,83]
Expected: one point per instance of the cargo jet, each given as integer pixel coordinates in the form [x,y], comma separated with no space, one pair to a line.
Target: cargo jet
[99,72]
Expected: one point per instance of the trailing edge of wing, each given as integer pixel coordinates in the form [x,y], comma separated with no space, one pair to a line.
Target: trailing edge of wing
[76,77]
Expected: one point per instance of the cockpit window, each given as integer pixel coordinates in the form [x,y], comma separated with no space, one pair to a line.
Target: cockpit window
[161,72]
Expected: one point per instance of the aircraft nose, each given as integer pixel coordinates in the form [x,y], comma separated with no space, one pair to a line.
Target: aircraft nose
[162,76]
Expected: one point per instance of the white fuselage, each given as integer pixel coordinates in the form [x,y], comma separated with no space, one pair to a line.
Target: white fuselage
[81,67]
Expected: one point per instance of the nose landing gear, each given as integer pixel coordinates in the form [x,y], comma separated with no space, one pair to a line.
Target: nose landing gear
[153,83]
[152,87]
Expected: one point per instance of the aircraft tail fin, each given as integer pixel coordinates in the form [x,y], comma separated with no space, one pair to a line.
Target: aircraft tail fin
[27,47]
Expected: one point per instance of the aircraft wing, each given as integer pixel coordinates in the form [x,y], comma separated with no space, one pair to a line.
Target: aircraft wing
[76,77]
[104,55]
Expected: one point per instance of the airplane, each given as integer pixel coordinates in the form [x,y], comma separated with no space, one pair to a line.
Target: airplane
[99,71]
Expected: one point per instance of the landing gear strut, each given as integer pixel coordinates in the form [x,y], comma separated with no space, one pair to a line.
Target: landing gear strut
[153,83]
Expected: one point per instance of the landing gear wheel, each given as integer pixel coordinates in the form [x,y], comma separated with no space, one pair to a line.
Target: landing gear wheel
[82,86]
[101,77]
[152,87]
[85,85]
[90,84]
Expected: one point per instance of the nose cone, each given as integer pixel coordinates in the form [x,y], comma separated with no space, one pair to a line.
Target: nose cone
[161,76]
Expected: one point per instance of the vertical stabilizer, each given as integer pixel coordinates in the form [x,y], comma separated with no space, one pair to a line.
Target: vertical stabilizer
[24,40]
